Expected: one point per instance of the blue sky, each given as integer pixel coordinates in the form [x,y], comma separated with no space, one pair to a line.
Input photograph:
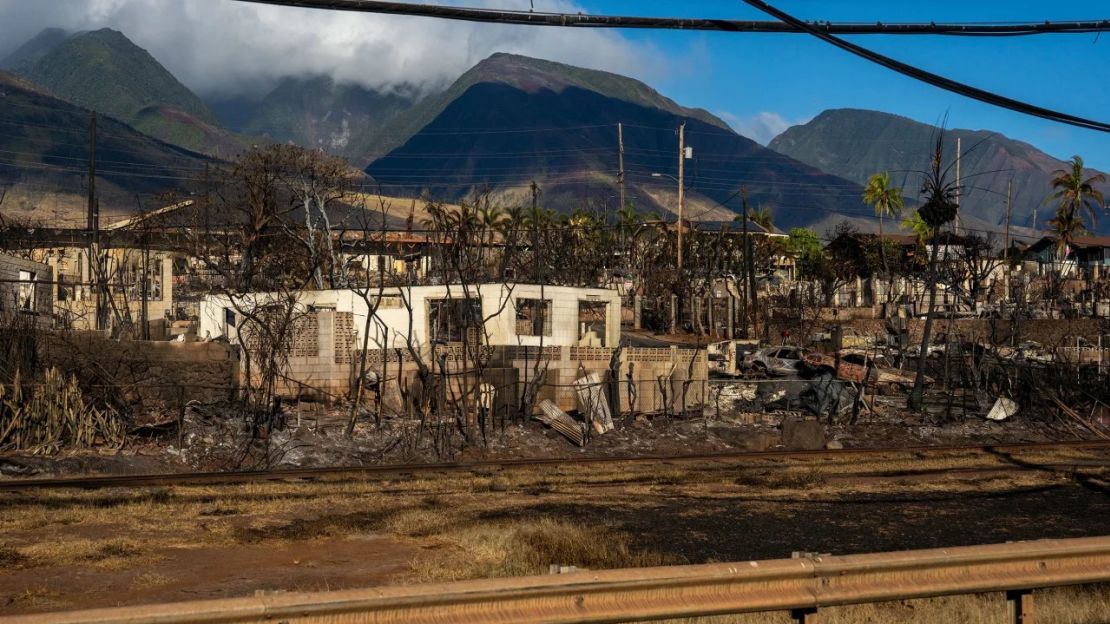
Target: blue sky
[758,82]
[790,78]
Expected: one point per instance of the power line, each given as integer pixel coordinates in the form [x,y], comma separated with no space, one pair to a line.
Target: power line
[825,31]
[930,78]
[584,20]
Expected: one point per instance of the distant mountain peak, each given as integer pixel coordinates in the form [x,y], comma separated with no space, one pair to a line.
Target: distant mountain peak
[104,71]
[531,75]
[25,56]
[855,143]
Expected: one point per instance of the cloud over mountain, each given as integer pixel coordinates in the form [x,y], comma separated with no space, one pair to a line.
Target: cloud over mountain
[195,40]
[761,127]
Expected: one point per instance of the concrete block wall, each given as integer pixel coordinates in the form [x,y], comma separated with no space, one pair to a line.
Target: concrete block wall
[660,376]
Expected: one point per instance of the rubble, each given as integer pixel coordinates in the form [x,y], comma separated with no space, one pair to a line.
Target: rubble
[1003,408]
[592,402]
[803,435]
[557,419]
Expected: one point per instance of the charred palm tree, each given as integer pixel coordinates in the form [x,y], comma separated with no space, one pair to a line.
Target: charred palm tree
[938,207]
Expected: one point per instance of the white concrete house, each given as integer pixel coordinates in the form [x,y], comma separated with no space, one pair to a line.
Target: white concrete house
[514,314]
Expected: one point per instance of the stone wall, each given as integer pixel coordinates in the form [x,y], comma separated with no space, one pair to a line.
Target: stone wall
[148,371]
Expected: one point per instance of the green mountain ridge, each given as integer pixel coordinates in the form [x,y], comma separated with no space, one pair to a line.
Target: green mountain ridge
[855,143]
[44,156]
[24,58]
[104,71]
[512,120]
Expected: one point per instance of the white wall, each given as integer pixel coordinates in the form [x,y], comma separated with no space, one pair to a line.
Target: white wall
[390,326]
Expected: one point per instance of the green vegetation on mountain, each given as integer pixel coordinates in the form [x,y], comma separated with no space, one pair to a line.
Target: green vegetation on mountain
[26,56]
[104,71]
[341,118]
[44,155]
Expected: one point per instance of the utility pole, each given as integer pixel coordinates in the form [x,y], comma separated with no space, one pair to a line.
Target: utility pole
[744,283]
[1009,191]
[681,199]
[94,226]
[959,191]
[620,147]
[749,261]
[535,232]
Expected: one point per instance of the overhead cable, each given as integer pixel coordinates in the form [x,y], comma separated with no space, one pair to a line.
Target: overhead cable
[585,20]
[930,78]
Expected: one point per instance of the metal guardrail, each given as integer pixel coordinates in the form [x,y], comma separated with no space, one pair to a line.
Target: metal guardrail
[800,585]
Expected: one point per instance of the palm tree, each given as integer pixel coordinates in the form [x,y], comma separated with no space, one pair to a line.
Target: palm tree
[1074,196]
[920,229]
[887,200]
[763,218]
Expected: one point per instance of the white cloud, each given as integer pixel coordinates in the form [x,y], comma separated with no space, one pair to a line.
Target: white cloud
[761,127]
[226,47]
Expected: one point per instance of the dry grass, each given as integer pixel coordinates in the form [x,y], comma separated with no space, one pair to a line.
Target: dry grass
[111,554]
[529,547]
[11,558]
[792,479]
[150,580]
[38,597]
[1085,604]
[471,525]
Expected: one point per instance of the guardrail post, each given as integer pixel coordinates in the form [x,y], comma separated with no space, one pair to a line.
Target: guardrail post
[805,616]
[1021,606]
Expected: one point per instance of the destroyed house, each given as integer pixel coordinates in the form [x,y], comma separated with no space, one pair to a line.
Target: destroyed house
[491,314]
[25,290]
[326,333]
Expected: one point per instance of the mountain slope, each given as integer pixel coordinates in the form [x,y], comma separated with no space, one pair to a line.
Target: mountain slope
[104,71]
[26,56]
[512,119]
[857,143]
[530,75]
[343,119]
[44,155]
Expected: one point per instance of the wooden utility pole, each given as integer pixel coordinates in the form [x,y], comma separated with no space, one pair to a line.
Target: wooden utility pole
[681,198]
[535,232]
[1009,192]
[958,189]
[744,283]
[749,260]
[94,227]
[620,147]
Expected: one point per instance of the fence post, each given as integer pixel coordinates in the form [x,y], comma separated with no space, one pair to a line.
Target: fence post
[805,616]
[1021,606]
